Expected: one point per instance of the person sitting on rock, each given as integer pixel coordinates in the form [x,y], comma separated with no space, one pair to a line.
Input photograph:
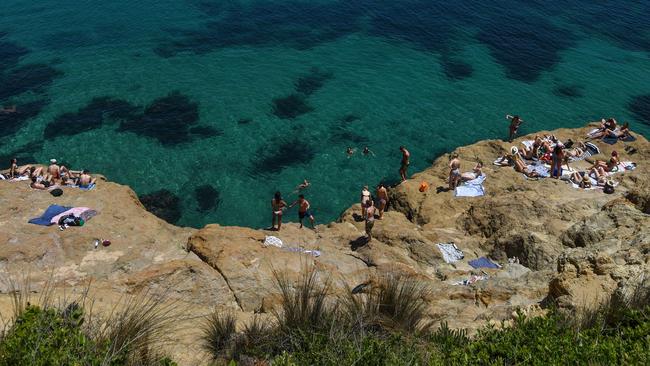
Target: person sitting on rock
[85,180]
[475,173]
[520,166]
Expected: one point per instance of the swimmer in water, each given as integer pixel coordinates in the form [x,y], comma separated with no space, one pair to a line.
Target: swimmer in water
[367,151]
[349,151]
[8,110]
[305,184]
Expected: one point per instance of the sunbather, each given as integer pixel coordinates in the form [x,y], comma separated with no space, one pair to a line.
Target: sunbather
[475,173]
[520,166]
[581,179]
[578,150]
[607,128]
[36,184]
[85,180]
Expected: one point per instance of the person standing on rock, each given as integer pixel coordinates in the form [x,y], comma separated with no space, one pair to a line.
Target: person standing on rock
[515,122]
[454,171]
[277,204]
[406,156]
[303,210]
[365,197]
[370,220]
[382,196]
[558,157]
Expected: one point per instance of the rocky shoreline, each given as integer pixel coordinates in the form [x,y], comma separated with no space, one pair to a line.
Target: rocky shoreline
[574,247]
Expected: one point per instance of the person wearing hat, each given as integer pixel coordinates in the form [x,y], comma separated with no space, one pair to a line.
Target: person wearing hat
[365,197]
[519,164]
[609,187]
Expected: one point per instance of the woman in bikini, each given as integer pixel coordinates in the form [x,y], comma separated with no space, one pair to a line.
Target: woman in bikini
[277,205]
[520,166]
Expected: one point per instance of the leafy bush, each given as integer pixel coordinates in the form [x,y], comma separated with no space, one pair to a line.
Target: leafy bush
[66,335]
[49,337]
[387,325]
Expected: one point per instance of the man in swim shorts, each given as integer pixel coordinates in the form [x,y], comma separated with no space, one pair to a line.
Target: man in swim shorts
[454,171]
[303,210]
[382,196]
[405,162]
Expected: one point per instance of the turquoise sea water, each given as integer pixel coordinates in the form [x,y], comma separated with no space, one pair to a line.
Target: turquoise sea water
[224,102]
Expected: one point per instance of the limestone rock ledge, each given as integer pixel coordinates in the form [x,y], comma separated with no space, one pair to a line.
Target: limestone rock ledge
[574,246]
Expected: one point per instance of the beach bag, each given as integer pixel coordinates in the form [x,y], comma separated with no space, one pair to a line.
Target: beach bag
[56,192]
[71,220]
[609,187]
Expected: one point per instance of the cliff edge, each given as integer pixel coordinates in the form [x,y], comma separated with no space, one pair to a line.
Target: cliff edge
[574,247]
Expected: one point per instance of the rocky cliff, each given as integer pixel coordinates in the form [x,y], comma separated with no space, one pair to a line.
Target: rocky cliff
[574,246]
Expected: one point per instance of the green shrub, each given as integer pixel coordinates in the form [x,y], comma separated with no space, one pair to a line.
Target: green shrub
[49,337]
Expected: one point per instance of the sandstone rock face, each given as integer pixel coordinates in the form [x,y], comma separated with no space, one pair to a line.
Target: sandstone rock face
[570,246]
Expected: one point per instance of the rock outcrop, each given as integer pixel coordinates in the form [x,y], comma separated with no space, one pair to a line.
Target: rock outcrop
[572,246]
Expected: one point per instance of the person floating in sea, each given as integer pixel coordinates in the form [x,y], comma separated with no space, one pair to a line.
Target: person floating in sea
[277,205]
[454,171]
[405,162]
[382,196]
[8,110]
[367,151]
[349,151]
[515,122]
[304,185]
[370,220]
[303,210]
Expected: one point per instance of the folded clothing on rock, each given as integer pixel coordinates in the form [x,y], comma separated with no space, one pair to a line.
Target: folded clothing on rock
[315,253]
[450,252]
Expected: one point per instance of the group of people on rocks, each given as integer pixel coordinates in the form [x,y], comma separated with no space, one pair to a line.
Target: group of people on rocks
[549,149]
[48,177]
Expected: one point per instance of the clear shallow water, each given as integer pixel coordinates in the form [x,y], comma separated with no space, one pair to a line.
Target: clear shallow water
[251,97]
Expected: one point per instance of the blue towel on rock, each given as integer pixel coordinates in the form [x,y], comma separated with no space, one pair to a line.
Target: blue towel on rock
[612,140]
[483,263]
[46,218]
